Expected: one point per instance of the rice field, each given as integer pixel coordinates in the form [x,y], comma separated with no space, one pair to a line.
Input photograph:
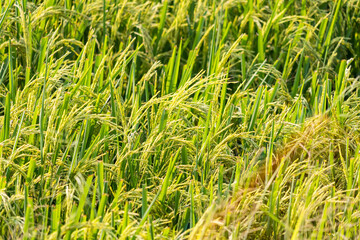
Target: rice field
[179,119]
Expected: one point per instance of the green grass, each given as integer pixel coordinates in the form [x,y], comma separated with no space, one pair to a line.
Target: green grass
[181,119]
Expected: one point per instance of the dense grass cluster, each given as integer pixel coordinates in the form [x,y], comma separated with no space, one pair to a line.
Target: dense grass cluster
[175,119]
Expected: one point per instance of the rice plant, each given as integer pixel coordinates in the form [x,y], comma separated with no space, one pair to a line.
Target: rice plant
[182,119]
